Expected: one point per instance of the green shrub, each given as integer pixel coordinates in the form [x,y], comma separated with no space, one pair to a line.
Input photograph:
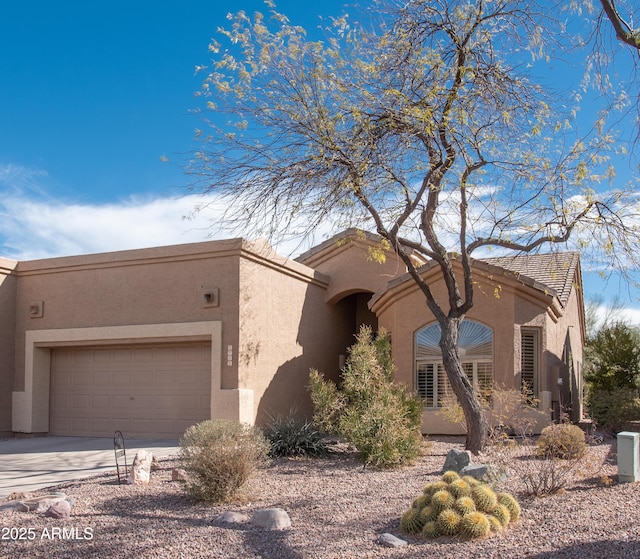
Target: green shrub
[290,436]
[563,441]
[219,457]
[613,409]
[379,417]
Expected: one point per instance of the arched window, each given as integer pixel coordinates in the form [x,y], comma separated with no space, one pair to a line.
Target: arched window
[475,346]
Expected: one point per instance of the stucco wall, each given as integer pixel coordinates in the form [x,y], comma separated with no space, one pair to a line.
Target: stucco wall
[499,303]
[8,285]
[162,285]
[286,328]
[346,261]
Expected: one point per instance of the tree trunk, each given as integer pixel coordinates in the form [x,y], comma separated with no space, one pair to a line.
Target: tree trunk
[463,387]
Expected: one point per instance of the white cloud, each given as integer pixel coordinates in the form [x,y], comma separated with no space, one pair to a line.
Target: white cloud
[35,225]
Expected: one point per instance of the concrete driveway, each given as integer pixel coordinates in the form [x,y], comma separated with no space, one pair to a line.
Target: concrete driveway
[30,464]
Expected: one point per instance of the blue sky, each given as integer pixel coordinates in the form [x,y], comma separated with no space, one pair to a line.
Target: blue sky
[94,96]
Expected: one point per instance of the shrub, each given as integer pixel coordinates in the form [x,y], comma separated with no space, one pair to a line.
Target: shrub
[290,436]
[563,441]
[613,408]
[378,416]
[219,457]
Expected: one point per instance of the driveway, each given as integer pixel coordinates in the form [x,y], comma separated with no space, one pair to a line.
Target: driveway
[30,464]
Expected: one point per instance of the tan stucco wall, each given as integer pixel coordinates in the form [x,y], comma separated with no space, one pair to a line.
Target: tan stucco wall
[271,320]
[286,328]
[160,285]
[8,286]
[500,303]
[345,260]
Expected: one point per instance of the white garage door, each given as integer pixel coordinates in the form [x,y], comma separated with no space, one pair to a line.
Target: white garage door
[142,390]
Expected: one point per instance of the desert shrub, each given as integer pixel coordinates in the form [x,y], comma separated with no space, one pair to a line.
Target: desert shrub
[612,409]
[508,411]
[219,456]
[564,441]
[379,417]
[291,436]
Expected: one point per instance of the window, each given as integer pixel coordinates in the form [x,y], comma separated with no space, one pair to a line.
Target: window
[529,361]
[475,346]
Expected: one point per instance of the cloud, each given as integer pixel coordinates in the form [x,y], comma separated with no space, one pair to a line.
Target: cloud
[34,225]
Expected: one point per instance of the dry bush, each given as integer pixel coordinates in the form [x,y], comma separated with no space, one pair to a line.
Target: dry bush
[219,457]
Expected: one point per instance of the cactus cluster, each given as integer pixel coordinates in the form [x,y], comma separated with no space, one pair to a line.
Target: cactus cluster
[459,505]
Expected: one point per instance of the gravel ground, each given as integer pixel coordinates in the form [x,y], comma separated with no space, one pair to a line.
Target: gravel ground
[338,510]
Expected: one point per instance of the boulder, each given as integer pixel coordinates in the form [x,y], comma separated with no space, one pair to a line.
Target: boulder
[230,517]
[61,509]
[13,506]
[389,540]
[178,474]
[141,468]
[271,519]
[478,471]
[456,460]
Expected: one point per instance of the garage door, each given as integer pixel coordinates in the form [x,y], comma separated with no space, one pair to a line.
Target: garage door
[143,391]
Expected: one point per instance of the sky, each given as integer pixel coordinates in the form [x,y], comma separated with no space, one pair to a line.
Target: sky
[96,124]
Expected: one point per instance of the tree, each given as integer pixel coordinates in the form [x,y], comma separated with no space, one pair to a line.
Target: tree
[425,123]
[624,29]
[612,358]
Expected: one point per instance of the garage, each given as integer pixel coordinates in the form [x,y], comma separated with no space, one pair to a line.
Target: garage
[145,391]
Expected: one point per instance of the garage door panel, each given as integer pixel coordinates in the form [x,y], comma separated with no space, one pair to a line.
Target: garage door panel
[153,391]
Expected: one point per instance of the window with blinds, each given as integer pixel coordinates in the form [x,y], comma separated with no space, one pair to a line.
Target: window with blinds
[476,350]
[529,361]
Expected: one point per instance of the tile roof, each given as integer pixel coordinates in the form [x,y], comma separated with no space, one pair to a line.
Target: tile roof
[554,271]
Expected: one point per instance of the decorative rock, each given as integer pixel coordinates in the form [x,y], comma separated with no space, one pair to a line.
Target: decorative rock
[61,509]
[141,468]
[20,496]
[271,519]
[389,540]
[230,517]
[155,465]
[14,506]
[478,471]
[456,460]
[178,474]
[45,504]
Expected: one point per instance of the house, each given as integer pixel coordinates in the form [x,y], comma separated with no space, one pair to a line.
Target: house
[151,341]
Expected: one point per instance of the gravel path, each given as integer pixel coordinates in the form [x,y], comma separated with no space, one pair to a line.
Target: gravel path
[337,509]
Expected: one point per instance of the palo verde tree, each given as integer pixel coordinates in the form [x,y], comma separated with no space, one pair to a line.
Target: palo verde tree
[425,123]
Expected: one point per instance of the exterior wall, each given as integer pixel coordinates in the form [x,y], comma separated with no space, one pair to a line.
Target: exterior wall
[345,260]
[8,286]
[499,303]
[136,294]
[286,328]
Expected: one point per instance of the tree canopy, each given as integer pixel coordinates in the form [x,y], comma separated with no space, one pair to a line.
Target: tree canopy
[436,124]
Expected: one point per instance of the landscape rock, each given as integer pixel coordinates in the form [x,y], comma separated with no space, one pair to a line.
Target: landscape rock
[230,517]
[20,496]
[178,474]
[478,471]
[13,506]
[456,460]
[271,519]
[61,509]
[389,540]
[141,468]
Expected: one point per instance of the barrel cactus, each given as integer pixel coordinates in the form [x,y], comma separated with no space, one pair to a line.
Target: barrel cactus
[459,506]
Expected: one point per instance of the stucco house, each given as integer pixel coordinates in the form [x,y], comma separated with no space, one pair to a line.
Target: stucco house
[151,341]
